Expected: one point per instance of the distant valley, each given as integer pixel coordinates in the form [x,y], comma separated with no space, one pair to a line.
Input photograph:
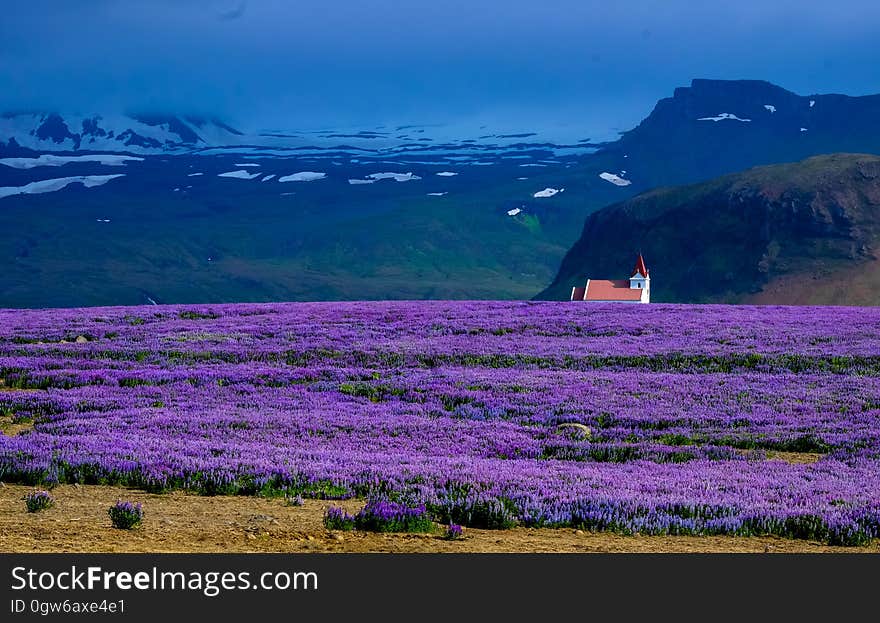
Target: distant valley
[98,210]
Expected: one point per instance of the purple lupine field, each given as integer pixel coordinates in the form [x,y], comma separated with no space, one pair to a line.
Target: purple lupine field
[658,419]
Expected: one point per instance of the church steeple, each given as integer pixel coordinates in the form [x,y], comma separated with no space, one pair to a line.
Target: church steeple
[640,279]
[640,268]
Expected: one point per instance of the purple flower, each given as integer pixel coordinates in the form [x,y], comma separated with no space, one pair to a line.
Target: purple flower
[126,515]
[383,515]
[702,419]
[335,518]
[38,500]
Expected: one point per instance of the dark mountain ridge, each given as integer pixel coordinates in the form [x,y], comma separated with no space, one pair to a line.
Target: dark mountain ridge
[715,127]
[770,234]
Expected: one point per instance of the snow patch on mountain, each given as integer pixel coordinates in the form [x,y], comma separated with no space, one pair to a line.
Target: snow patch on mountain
[614,179]
[397,177]
[241,174]
[52,185]
[770,107]
[547,192]
[725,116]
[303,176]
[51,160]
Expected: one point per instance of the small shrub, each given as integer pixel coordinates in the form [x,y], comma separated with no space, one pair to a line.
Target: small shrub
[195,315]
[494,514]
[38,501]
[491,513]
[453,532]
[126,515]
[325,490]
[384,515]
[335,518]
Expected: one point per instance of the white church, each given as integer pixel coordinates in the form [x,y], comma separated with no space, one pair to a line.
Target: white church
[636,289]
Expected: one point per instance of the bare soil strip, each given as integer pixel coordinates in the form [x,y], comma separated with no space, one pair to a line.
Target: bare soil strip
[795,458]
[10,427]
[180,522]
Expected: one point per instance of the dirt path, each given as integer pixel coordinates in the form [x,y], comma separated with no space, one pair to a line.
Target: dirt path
[179,522]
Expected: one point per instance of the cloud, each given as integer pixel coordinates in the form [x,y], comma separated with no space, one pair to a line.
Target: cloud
[588,63]
[233,12]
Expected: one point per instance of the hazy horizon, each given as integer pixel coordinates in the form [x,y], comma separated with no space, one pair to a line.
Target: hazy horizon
[270,64]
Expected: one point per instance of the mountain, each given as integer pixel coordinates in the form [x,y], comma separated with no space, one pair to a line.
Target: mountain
[164,134]
[801,233]
[715,127]
[136,133]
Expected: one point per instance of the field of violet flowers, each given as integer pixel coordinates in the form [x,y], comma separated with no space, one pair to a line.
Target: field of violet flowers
[454,408]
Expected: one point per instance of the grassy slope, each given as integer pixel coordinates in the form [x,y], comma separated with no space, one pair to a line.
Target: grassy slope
[327,241]
[850,285]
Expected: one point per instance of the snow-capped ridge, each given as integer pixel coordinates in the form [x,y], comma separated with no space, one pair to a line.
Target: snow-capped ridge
[134,133]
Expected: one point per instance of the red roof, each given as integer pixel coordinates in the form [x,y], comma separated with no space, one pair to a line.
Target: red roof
[607,290]
[640,267]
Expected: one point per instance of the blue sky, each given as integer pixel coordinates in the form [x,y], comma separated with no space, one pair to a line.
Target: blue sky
[322,63]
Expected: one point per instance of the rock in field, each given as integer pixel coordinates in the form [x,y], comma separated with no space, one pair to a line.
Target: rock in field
[574,430]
